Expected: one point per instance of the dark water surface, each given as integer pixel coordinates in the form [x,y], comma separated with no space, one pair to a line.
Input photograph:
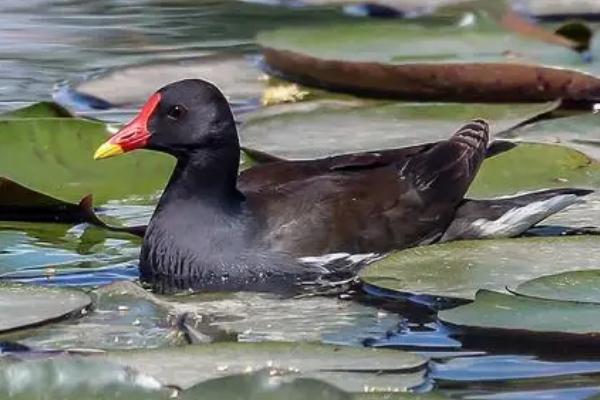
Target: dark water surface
[46,46]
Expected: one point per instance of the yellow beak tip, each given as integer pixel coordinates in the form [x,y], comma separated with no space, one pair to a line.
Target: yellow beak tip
[108,150]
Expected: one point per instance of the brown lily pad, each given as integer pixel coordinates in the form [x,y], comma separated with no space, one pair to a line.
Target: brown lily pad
[24,306]
[458,64]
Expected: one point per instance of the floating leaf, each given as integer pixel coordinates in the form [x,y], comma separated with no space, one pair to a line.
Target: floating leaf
[459,269]
[24,306]
[560,9]
[580,132]
[253,317]
[55,158]
[283,385]
[118,321]
[532,166]
[578,286]
[322,128]
[502,314]
[418,63]
[234,74]
[76,378]
[262,385]
[44,109]
[345,367]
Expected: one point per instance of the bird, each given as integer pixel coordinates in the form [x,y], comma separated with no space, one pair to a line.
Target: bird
[282,223]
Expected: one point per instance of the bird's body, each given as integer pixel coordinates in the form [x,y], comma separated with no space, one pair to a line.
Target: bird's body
[213,230]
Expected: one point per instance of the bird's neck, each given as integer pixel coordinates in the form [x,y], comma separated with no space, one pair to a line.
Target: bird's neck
[205,179]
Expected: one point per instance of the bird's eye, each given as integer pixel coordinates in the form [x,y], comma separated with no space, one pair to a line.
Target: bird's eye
[176,112]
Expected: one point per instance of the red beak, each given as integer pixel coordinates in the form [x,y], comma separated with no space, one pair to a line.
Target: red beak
[132,136]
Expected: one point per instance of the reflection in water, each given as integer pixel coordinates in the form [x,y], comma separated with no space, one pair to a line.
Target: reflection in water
[42,250]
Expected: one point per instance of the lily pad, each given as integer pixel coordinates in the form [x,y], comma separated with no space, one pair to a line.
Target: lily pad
[489,368]
[27,306]
[578,286]
[76,378]
[253,317]
[284,385]
[459,269]
[55,159]
[266,384]
[344,367]
[532,166]
[322,128]
[580,132]
[44,109]
[387,59]
[117,321]
[235,74]
[557,9]
[498,313]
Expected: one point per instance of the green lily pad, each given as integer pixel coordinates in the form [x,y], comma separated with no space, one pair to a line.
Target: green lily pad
[500,313]
[44,109]
[267,385]
[253,317]
[284,385]
[345,367]
[76,378]
[322,128]
[412,61]
[235,75]
[580,132]
[532,166]
[459,269]
[578,286]
[55,158]
[117,321]
[27,306]
[391,42]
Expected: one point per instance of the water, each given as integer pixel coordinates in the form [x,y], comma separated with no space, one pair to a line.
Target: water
[47,46]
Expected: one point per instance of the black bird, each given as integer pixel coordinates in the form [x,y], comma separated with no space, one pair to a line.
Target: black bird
[261,230]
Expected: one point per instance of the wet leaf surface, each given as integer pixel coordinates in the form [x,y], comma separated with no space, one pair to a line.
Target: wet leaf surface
[533,166]
[55,158]
[580,132]
[322,128]
[117,321]
[236,75]
[345,367]
[255,317]
[44,109]
[577,286]
[87,379]
[459,269]
[498,313]
[26,306]
[282,385]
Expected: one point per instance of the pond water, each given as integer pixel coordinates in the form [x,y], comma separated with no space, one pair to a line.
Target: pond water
[48,47]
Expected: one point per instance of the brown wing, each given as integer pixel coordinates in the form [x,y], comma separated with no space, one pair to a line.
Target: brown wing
[368,202]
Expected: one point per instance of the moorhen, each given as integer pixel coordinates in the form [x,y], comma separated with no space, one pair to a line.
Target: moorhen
[261,230]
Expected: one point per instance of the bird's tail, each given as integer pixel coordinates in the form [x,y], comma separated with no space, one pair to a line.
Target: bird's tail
[508,216]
